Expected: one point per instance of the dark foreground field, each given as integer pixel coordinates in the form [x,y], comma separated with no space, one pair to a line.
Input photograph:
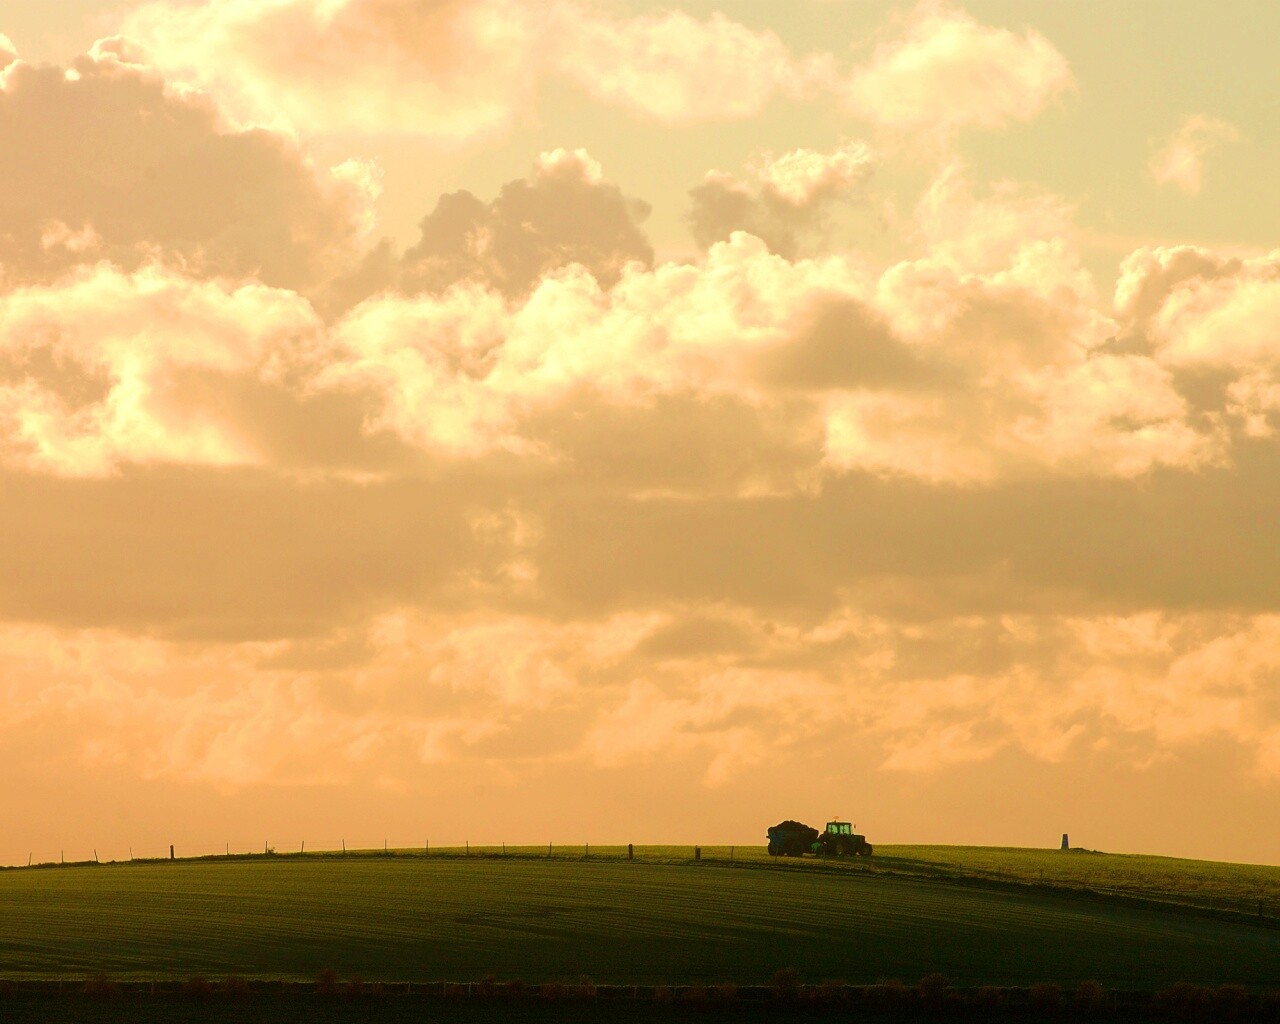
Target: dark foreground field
[310,1008]
[397,919]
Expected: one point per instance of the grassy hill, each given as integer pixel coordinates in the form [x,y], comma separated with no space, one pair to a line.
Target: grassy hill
[978,916]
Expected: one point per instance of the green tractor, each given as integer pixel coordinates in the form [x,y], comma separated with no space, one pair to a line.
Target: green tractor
[840,840]
[794,838]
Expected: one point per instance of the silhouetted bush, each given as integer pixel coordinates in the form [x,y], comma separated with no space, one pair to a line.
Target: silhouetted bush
[663,995]
[1184,1001]
[582,990]
[355,987]
[988,997]
[101,987]
[235,987]
[1230,1001]
[786,984]
[1045,996]
[1091,997]
[551,992]
[197,987]
[726,994]
[454,991]
[694,996]
[515,989]
[327,982]
[886,994]
[7,988]
[934,991]
[832,992]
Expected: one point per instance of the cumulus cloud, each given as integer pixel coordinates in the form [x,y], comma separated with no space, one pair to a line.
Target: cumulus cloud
[677,69]
[945,71]
[1212,320]
[356,65]
[374,66]
[564,213]
[138,171]
[783,200]
[987,358]
[108,368]
[1180,160]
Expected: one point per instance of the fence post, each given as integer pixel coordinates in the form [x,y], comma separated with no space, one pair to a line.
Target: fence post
[548,851]
[631,852]
[171,851]
[731,853]
[697,853]
[587,852]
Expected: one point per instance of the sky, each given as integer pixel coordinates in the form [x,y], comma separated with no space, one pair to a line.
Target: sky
[597,421]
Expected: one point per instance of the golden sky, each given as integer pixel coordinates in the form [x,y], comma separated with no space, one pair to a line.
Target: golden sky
[603,421]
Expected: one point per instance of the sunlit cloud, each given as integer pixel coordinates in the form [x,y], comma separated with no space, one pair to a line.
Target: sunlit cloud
[944,71]
[1180,160]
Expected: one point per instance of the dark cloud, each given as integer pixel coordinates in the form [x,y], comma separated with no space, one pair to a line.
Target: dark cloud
[558,216]
[721,207]
[101,162]
[846,345]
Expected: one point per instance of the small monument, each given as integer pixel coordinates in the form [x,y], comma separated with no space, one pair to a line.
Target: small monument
[1065,845]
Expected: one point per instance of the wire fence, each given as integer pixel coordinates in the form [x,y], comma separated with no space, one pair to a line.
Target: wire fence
[153,852]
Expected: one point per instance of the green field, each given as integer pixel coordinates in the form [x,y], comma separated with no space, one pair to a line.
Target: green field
[977,916]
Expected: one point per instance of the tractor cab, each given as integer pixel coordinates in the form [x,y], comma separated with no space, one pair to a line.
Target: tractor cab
[839,828]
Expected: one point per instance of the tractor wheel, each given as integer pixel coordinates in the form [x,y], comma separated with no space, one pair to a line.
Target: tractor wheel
[866,849]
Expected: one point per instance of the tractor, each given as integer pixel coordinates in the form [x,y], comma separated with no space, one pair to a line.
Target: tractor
[794,839]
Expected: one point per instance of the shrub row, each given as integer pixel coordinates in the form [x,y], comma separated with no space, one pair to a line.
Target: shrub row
[933,994]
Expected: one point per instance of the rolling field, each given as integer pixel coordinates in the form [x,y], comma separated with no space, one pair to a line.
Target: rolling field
[660,920]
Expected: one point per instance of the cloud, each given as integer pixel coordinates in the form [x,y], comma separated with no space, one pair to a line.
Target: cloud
[383,67]
[986,359]
[352,66]
[1212,321]
[945,71]
[386,67]
[785,199]
[139,171]
[1180,161]
[107,368]
[565,213]
[597,694]
[677,69]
